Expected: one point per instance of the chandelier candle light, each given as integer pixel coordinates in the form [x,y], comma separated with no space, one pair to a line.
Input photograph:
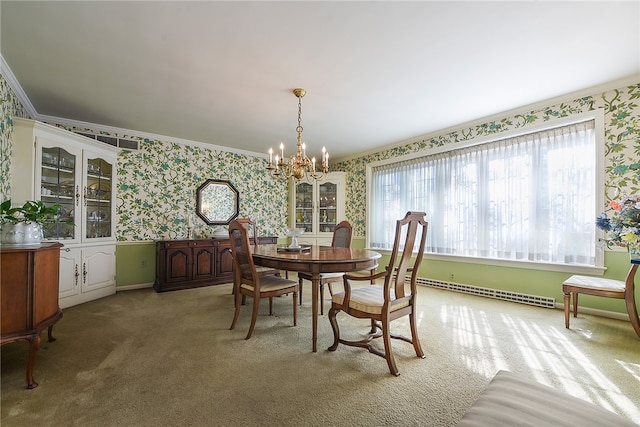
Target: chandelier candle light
[299,165]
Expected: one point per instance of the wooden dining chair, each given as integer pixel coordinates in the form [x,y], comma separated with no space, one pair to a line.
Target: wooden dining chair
[252,230]
[252,284]
[341,239]
[601,287]
[389,301]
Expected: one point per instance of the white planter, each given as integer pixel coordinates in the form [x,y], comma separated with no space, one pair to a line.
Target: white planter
[22,233]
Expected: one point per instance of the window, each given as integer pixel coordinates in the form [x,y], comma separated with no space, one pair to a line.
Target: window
[529,197]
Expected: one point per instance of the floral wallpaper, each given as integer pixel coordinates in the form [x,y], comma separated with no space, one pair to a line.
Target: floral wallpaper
[157,182]
[9,107]
[157,190]
[622,145]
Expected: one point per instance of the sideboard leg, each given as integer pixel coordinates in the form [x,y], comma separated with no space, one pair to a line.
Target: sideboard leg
[34,345]
[50,336]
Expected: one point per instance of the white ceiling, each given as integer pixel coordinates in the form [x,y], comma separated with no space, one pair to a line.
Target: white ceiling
[376,73]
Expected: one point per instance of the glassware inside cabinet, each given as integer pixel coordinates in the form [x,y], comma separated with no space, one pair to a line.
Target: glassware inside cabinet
[327,193]
[98,198]
[304,206]
[58,186]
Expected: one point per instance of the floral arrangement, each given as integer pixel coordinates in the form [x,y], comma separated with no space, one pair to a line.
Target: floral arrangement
[623,228]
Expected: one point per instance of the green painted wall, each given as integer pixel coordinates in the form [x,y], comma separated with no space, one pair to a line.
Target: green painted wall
[135,264]
[532,282]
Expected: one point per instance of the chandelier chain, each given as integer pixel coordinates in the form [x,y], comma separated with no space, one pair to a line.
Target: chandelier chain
[299,129]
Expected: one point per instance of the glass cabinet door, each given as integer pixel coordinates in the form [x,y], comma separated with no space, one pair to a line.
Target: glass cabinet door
[97,199]
[327,203]
[58,184]
[304,206]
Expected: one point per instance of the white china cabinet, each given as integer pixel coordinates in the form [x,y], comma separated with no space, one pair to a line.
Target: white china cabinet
[79,174]
[317,206]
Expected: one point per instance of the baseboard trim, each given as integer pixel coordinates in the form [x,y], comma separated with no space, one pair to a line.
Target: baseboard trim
[134,287]
[597,312]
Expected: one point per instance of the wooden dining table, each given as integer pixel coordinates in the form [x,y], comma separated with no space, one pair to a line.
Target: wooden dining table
[316,260]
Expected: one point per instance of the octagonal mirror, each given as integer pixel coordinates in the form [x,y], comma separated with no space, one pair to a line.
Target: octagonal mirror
[217,202]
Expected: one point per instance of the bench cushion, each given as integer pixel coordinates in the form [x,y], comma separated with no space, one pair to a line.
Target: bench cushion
[595,283]
[510,400]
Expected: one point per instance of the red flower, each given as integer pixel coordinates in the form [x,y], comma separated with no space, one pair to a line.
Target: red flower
[615,205]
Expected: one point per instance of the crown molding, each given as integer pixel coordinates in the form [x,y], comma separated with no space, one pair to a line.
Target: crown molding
[16,88]
[152,136]
[590,91]
[5,70]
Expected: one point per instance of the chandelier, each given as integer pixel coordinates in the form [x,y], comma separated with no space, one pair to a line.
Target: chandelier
[299,165]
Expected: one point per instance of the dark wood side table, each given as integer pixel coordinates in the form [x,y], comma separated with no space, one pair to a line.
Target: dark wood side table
[29,282]
[192,263]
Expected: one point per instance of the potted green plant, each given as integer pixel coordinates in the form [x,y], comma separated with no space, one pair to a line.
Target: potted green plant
[23,224]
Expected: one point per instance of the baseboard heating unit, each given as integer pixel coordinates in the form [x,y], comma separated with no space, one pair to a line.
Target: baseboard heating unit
[536,300]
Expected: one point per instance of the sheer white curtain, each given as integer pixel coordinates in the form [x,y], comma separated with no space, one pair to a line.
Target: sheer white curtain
[529,198]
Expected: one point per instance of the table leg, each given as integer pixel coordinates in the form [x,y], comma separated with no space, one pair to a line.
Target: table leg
[315,285]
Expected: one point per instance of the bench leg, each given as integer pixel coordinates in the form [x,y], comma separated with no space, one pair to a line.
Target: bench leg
[567,302]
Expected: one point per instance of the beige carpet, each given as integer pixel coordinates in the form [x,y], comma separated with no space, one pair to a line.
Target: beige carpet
[140,358]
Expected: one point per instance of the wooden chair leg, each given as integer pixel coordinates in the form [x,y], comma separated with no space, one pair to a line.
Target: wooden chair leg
[321,298]
[238,299]
[373,327]
[270,306]
[575,304]
[414,336]
[254,316]
[388,353]
[633,313]
[567,308]
[333,312]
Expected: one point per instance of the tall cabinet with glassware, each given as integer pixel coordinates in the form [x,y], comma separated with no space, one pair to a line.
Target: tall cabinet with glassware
[317,206]
[58,166]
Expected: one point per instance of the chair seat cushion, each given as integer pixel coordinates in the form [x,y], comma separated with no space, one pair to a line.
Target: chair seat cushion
[272,283]
[322,275]
[595,283]
[266,270]
[368,299]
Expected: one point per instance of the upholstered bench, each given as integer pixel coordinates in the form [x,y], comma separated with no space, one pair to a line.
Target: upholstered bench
[600,287]
[510,400]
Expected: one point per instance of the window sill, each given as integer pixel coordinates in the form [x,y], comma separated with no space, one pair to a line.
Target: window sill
[529,265]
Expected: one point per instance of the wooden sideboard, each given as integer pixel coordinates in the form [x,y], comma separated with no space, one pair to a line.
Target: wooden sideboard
[184,264]
[29,295]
